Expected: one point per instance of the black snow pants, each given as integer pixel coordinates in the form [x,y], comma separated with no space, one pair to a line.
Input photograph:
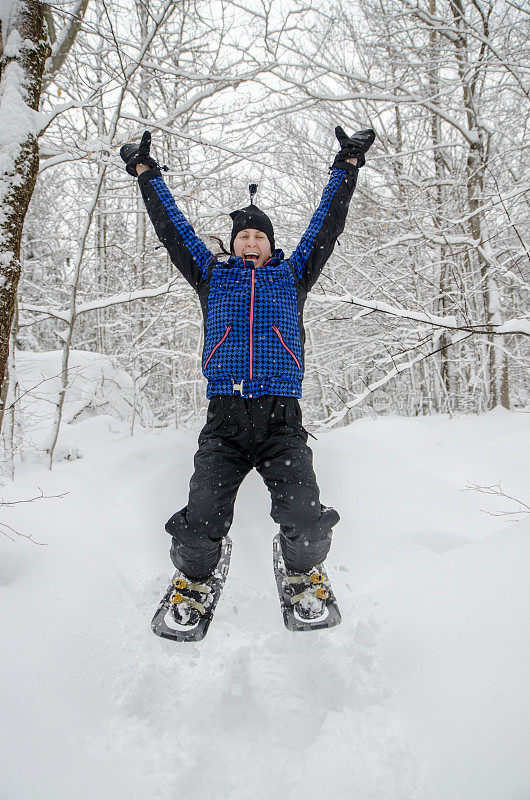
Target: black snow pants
[240,434]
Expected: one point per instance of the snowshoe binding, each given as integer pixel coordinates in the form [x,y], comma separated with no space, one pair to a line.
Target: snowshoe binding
[186,610]
[306,599]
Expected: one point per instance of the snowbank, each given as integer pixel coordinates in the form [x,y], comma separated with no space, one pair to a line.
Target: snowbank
[96,387]
[421,694]
[458,646]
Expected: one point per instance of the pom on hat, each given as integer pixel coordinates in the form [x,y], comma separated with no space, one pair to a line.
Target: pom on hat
[251,217]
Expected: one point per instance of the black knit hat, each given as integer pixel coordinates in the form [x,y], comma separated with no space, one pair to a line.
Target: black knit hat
[251,217]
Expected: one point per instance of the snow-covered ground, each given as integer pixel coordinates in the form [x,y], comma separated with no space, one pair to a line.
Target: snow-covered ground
[421,694]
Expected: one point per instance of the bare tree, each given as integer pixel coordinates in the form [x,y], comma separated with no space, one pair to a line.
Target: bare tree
[22,59]
[429,287]
[25,47]
[441,229]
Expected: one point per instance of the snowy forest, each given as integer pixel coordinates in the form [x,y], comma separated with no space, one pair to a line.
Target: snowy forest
[417,386]
[423,307]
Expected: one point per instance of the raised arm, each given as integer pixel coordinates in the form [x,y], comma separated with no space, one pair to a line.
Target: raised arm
[187,252]
[327,223]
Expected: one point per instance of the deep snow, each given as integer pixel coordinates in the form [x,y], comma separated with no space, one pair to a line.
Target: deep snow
[422,693]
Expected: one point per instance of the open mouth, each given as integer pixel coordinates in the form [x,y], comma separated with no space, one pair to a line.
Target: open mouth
[251,257]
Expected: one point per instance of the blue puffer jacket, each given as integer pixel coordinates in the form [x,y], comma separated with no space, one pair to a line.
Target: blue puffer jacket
[253,318]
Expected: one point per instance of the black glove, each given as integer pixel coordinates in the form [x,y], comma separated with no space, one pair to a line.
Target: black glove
[134,154]
[353,146]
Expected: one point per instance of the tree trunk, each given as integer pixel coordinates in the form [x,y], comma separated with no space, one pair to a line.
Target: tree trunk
[100,228]
[21,68]
[68,334]
[12,394]
[477,162]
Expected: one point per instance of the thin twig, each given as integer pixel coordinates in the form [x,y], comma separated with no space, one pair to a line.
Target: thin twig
[41,496]
[497,491]
[4,525]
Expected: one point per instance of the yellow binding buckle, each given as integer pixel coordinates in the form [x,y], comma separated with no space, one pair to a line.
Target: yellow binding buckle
[322,593]
[317,577]
[177,598]
[182,583]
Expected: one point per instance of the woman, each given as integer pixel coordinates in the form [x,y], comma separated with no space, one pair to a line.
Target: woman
[253,360]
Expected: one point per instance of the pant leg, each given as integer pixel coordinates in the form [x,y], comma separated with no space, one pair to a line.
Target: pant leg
[286,464]
[198,529]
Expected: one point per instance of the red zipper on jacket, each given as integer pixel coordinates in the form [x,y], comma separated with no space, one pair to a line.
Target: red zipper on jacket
[251,320]
[251,332]
[280,337]
[219,343]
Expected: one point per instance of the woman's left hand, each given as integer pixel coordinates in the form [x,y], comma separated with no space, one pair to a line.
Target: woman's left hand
[133,155]
[353,148]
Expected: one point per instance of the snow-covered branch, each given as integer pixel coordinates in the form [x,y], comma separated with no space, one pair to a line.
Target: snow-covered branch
[121,298]
[62,43]
[404,366]
[517,326]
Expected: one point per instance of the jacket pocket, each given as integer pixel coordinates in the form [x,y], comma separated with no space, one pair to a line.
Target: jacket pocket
[219,343]
[288,349]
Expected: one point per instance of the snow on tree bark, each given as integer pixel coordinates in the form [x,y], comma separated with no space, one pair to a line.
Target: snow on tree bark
[24,51]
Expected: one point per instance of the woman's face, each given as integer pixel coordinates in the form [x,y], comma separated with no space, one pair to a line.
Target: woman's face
[252,245]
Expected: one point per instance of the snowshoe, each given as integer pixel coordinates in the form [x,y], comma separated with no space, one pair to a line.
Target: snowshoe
[186,609]
[306,599]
